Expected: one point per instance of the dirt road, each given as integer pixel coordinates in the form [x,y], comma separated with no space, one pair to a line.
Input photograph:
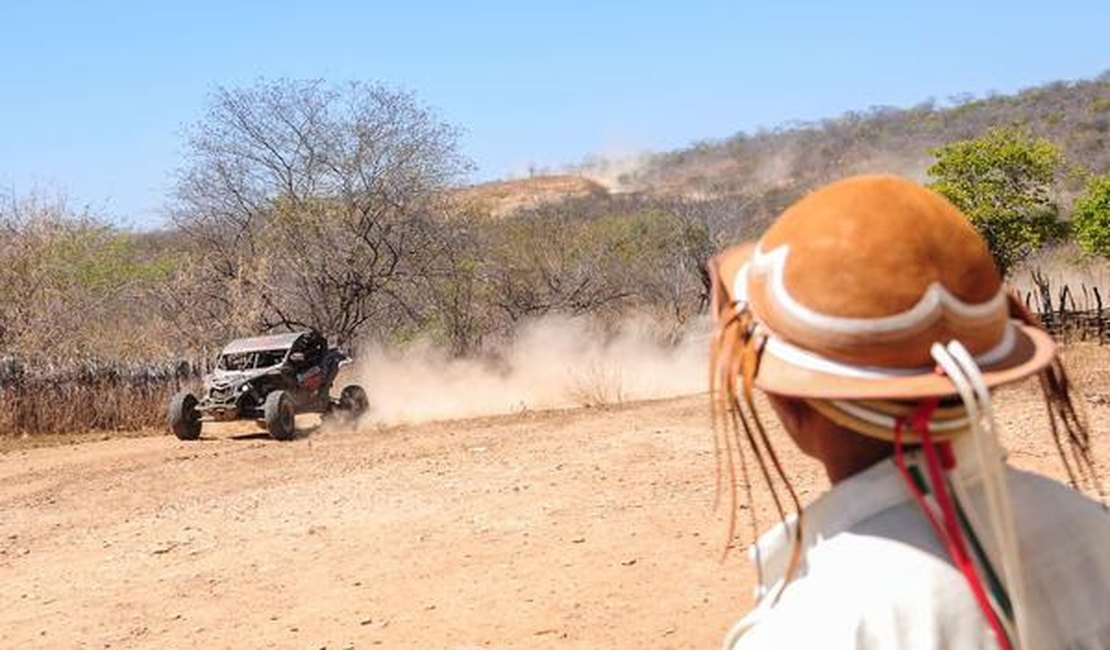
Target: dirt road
[591,528]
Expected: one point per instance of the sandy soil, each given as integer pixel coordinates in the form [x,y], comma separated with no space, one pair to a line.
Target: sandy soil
[586,528]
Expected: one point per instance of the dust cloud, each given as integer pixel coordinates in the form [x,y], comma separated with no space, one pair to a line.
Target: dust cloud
[550,363]
[616,173]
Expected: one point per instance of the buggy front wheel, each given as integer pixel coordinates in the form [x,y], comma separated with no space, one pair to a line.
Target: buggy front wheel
[184,417]
[280,415]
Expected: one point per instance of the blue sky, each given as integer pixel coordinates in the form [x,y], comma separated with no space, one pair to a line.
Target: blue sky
[95,94]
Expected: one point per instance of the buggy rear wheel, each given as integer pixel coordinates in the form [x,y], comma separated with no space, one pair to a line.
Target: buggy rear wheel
[184,417]
[353,401]
[280,415]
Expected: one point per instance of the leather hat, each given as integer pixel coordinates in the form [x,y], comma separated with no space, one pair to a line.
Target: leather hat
[851,286]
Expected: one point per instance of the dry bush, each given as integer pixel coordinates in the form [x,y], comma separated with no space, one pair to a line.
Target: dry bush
[600,383]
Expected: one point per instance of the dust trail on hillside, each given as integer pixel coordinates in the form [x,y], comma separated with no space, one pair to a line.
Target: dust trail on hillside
[549,363]
[617,172]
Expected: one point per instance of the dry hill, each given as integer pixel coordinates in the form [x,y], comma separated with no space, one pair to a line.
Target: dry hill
[500,198]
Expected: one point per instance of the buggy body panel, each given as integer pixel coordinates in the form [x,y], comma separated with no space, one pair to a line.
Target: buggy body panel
[249,369]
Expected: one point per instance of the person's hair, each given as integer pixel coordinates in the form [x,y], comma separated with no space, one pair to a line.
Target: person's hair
[734,355]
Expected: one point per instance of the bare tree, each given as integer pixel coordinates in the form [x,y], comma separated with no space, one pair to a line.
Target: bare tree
[450,282]
[552,260]
[312,195]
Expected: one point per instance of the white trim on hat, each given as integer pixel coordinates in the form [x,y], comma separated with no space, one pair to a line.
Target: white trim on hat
[808,360]
[935,300]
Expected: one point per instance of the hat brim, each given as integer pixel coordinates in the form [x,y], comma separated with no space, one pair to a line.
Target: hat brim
[1033,349]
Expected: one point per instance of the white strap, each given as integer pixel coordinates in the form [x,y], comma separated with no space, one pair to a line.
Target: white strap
[961,369]
[998,496]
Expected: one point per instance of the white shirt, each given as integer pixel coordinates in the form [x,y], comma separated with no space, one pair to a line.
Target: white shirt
[873,574]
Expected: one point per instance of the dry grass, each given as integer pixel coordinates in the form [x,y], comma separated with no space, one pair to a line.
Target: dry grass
[53,409]
[85,398]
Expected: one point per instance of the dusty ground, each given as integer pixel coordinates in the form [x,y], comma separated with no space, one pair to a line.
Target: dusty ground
[589,528]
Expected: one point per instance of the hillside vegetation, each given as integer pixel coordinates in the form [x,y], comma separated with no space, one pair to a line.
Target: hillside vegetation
[303,204]
[1075,116]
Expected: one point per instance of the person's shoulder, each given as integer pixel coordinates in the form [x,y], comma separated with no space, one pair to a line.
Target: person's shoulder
[874,605]
[803,618]
[1062,537]
[883,584]
[1038,496]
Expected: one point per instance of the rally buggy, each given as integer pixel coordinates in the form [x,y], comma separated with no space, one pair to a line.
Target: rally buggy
[269,379]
